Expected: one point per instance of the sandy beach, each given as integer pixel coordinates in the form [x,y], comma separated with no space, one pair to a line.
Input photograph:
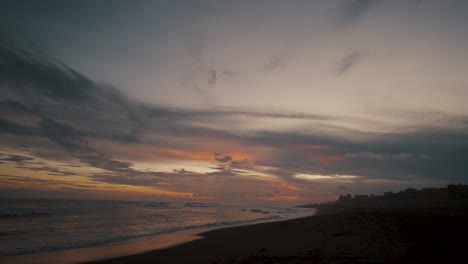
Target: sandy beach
[336,235]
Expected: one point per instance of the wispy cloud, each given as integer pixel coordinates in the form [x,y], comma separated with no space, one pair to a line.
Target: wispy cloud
[348,62]
[87,121]
[274,63]
[221,158]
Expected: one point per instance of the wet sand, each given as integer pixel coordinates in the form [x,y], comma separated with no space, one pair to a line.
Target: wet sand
[337,235]
[80,255]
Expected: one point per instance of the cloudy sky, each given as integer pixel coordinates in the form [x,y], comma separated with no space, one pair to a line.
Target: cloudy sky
[231,101]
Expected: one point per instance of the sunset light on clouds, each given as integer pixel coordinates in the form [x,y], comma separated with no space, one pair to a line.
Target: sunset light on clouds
[220,101]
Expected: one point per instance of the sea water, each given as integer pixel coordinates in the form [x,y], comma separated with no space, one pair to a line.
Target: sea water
[29,226]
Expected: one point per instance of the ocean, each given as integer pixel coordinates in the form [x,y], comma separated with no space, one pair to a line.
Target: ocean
[29,226]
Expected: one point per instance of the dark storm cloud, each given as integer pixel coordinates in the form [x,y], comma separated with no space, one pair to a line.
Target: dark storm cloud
[351,10]
[348,62]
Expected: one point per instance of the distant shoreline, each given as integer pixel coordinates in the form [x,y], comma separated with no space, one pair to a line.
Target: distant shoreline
[373,235]
[128,248]
[338,233]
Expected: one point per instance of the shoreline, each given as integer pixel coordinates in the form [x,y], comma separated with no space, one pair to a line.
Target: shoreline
[332,235]
[374,235]
[89,254]
[124,248]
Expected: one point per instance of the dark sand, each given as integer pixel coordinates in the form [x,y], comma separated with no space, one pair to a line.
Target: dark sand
[337,235]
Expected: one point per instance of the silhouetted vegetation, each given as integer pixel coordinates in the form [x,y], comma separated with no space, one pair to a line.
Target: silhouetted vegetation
[458,191]
[452,191]
[451,196]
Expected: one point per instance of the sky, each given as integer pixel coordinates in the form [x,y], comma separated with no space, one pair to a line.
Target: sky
[280,102]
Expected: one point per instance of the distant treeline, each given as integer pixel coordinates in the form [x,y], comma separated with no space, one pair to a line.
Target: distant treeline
[452,191]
